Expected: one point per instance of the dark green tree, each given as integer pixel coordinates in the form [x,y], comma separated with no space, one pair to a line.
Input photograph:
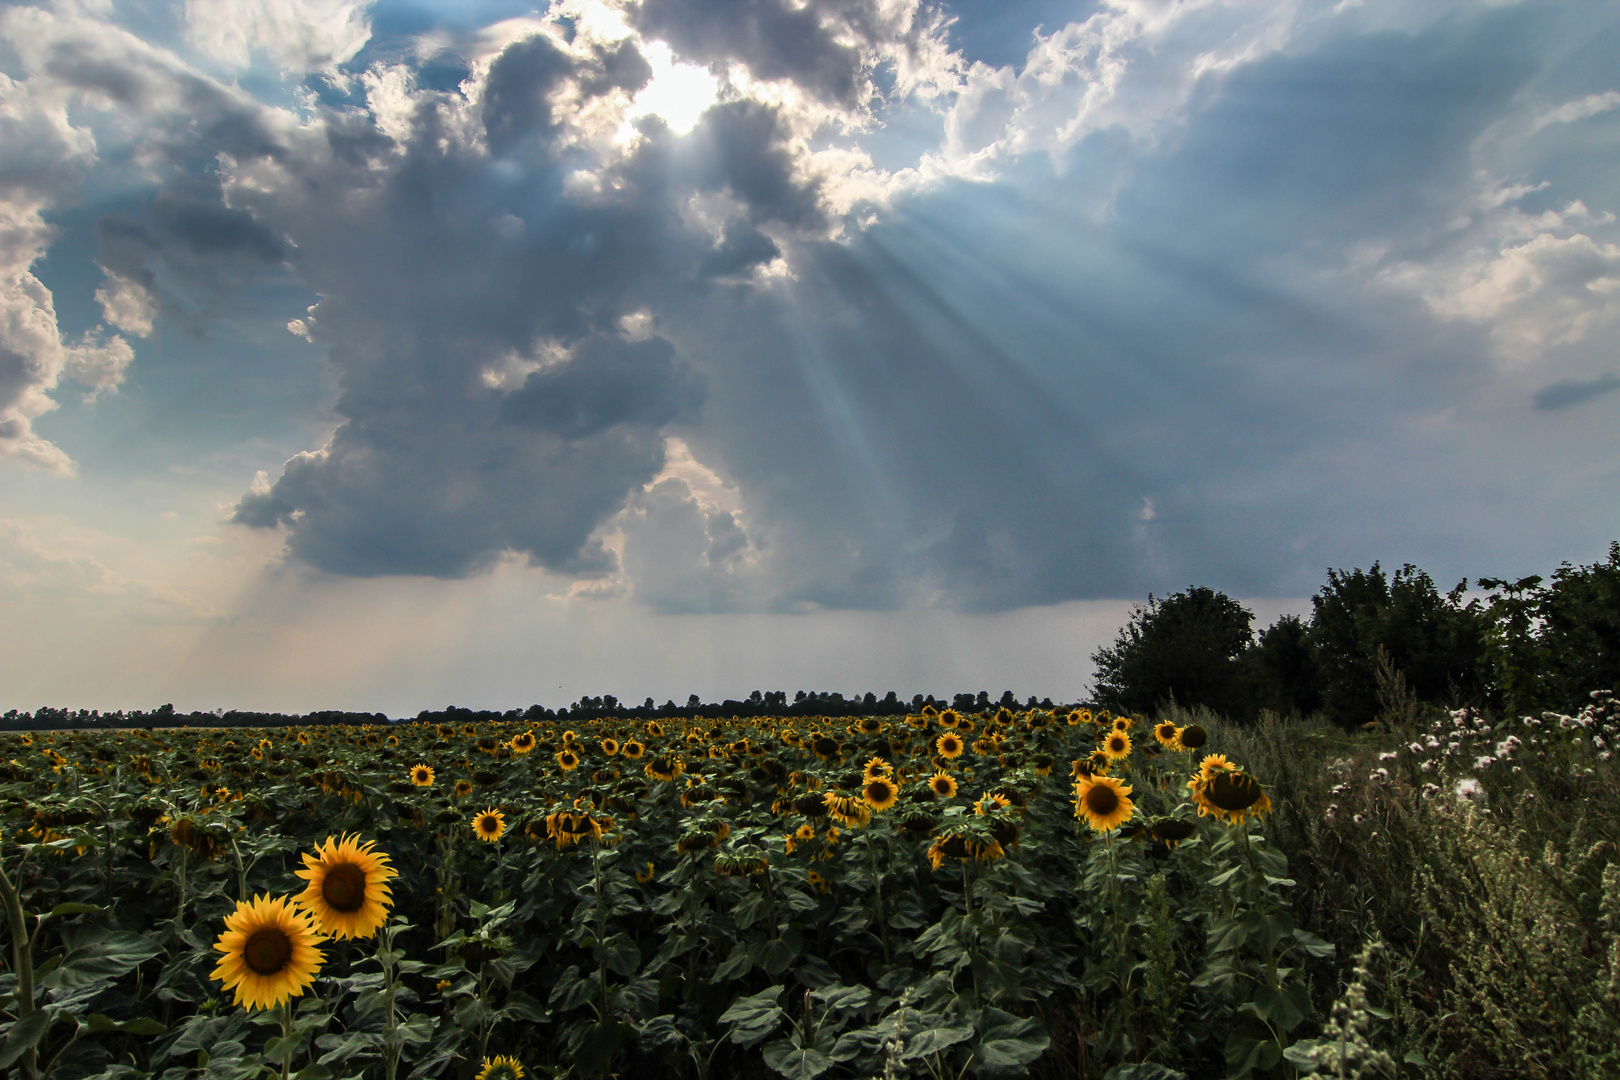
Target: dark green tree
[1282,669]
[1580,632]
[1186,647]
[1439,644]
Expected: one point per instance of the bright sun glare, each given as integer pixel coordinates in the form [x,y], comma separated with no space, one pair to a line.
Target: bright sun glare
[678,93]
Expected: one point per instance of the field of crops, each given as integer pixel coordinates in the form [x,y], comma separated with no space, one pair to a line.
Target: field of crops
[941,895]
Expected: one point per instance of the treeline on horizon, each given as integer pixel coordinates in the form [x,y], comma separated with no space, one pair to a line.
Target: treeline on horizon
[1376,646]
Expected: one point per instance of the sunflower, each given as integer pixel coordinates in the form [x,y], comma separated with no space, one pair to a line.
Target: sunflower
[991,802]
[489,825]
[1122,723]
[880,793]
[348,894]
[1100,762]
[825,746]
[949,719]
[523,742]
[943,785]
[1168,735]
[463,788]
[805,832]
[500,1068]
[1103,801]
[1193,736]
[877,767]
[948,745]
[567,759]
[664,768]
[422,775]
[816,881]
[870,725]
[632,750]
[1117,746]
[655,729]
[271,952]
[610,747]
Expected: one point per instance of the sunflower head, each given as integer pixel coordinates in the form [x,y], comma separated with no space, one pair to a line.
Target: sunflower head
[1117,746]
[632,749]
[610,747]
[949,745]
[489,825]
[1103,801]
[1167,733]
[877,767]
[422,775]
[880,793]
[500,1068]
[1193,736]
[463,788]
[1099,761]
[523,742]
[348,895]
[270,952]
[943,785]
[567,760]
[950,719]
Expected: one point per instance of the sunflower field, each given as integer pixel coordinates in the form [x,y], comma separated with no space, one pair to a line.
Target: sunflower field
[1051,892]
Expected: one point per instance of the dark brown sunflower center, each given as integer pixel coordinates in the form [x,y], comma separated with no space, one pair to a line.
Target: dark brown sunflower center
[1116,744]
[1234,791]
[267,951]
[344,888]
[942,786]
[1102,800]
[489,824]
[878,791]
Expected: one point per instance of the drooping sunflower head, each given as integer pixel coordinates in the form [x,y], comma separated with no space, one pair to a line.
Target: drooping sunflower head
[990,802]
[880,792]
[500,1068]
[943,785]
[1117,746]
[1103,801]
[523,742]
[463,788]
[1100,762]
[422,775]
[489,825]
[348,895]
[825,746]
[1167,732]
[271,952]
[1193,736]
[870,725]
[949,745]
[632,750]
[567,760]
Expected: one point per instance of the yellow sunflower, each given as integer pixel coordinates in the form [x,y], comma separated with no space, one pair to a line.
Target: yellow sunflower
[489,825]
[348,895]
[1117,746]
[1103,801]
[949,745]
[632,750]
[1168,735]
[877,767]
[880,793]
[805,832]
[1100,762]
[567,760]
[500,1068]
[523,742]
[950,719]
[1122,723]
[271,952]
[610,747]
[463,788]
[422,775]
[943,785]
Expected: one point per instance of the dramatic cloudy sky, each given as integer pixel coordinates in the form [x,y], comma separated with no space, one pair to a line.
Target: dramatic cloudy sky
[387,355]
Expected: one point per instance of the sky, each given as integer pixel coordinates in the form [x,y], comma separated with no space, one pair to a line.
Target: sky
[392,355]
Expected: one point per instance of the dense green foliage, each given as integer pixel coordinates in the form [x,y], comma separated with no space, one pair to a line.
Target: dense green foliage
[1376,643]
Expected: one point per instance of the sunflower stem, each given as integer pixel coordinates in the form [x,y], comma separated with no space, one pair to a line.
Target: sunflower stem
[285,1008]
[877,887]
[22,959]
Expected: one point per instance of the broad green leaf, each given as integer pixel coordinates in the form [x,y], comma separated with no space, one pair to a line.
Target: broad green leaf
[796,1062]
[931,1040]
[96,955]
[1145,1070]
[1007,1041]
[140,1025]
[1314,945]
[753,1017]
[23,1034]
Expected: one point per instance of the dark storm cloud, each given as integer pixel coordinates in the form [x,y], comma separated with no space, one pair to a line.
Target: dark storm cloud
[448,284]
[1568,393]
[775,39]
